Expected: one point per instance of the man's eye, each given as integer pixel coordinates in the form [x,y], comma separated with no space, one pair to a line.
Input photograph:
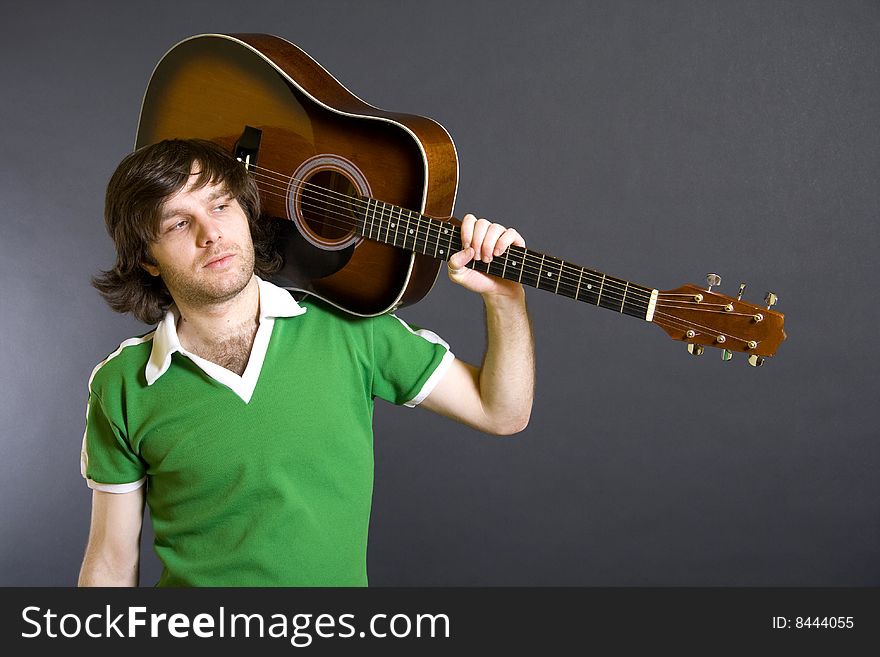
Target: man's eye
[180,225]
[222,207]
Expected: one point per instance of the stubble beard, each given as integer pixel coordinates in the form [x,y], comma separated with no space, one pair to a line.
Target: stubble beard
[204,288]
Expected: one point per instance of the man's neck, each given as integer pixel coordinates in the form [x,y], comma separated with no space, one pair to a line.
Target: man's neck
[215,324]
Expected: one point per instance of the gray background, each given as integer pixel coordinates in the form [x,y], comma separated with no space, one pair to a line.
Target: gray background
[653,141]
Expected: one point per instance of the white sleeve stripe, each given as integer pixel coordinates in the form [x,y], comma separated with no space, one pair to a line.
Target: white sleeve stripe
[116,488]
[430,336]
[432,381]
[127,343]
[84,455]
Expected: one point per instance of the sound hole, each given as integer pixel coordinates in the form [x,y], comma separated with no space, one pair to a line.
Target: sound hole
[328,205]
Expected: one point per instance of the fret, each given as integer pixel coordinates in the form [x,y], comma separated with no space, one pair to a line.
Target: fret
[423,233]
[418,228]
[449,245]
[396,226]
[387,239]
[529,269]
[381,218]
[559,278]
[434,228]
[638,301]
[495,267]
[588,291]
[394,222]
[549,273]
[407,231]
[376,224]
[441,226]
[385,213]
[410,232]
[362,219]
[580,279]
[415,233]
[402,223]
[623,300]
[566,285]
[365,229]
[612,288]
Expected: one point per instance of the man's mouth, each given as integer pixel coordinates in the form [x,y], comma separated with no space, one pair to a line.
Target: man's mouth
[219,261]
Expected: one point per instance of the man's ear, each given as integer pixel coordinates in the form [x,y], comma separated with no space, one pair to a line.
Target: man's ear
[152,270]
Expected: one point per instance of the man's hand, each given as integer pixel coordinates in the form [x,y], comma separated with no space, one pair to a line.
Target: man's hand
[483,240]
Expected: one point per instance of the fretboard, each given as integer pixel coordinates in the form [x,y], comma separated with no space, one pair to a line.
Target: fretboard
[412,231]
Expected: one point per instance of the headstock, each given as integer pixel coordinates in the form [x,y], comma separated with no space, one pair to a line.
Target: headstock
[704,318]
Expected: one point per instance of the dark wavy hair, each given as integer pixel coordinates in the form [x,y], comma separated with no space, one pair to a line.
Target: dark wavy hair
[138,189]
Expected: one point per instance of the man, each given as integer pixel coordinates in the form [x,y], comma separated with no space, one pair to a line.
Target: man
[249,414]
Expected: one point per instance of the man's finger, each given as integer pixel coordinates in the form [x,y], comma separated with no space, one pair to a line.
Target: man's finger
[457,262]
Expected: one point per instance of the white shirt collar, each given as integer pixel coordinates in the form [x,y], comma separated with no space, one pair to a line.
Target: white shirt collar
[274,302]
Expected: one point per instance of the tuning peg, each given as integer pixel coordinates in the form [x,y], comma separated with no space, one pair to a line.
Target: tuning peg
[726,355]
[742,287]
[770,299]
[755,360]
[713,280]
[695,349]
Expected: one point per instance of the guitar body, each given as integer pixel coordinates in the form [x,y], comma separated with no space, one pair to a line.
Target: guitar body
[311,133]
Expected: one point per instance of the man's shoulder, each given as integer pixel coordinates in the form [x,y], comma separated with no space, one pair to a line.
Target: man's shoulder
[129,358]
[318,310]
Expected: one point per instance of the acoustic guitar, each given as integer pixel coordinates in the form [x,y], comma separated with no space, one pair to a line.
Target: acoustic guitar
[360,197]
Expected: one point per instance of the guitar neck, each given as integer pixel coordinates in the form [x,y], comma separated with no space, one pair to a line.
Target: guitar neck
[405,229]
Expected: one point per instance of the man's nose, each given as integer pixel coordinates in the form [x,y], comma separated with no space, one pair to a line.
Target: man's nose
[209,230]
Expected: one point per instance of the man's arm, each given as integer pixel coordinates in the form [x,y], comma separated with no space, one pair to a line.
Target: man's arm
[497,396]
[113,554]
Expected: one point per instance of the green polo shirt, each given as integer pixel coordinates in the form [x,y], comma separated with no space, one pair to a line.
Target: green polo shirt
[264,479]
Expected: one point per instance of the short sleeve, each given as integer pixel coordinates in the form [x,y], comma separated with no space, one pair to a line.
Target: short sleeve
[408,362]
[107,461]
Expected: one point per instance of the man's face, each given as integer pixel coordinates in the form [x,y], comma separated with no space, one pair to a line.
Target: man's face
[204,251]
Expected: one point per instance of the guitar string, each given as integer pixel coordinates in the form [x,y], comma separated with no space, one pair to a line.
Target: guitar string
[343,221]
[707,330]
[676,323]
[329,193]
[730,313]
[676,305]
[612,290]
[630,290]
[678,327]
[702,308]
[683,324]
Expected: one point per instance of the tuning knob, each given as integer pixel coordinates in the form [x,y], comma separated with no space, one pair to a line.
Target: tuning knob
[695,349]
[770,299]
[755,360]
[726,355]
[713,280]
